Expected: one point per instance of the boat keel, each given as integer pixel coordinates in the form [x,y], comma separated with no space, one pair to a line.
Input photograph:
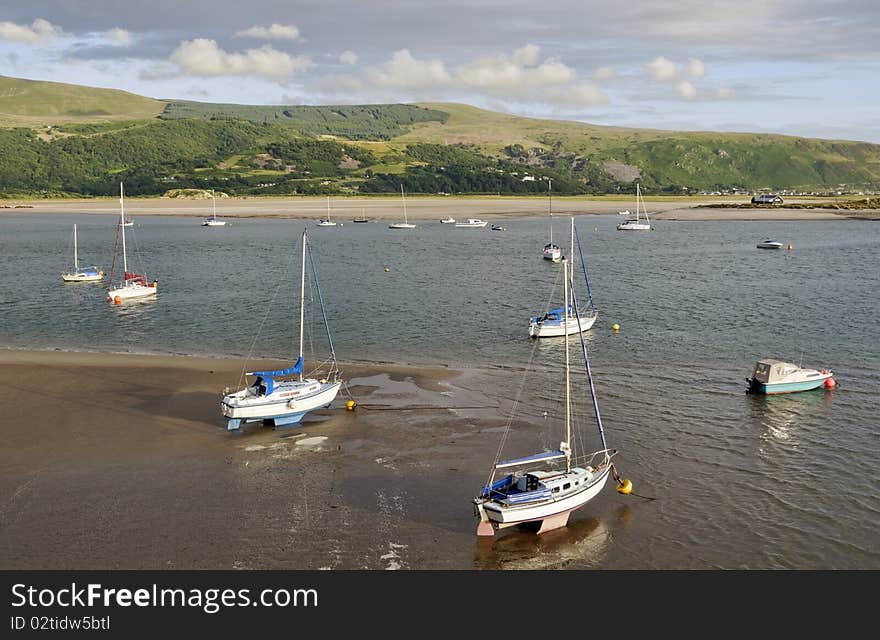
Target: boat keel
[485,529]
[233,424]
[554,522]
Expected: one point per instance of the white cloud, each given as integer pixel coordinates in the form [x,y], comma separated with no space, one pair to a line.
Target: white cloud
[686,90]
[695,68]
[202,57]
[604,73]
[662,69]
[579,96]
[38,32]
[348,57]
[406,72]
[526,56]
[520,71]
[272,32]
[120,37]
[725,93]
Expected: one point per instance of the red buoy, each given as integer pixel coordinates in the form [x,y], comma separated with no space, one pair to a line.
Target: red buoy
[830,383]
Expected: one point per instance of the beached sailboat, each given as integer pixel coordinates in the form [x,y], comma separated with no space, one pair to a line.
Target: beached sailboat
[213,220]
[84,274]
[640,221]
[327,222]
[556,322]
[405,224]
[551,250]
[273,396]
[132,285]
[541,492]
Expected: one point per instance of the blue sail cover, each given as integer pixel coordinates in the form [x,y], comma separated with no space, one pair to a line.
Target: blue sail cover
[268,377]
[90,271]
[547,455]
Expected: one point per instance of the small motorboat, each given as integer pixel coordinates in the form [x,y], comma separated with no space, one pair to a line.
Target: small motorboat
[777,376]
[497,227]
[448,220]
[769,244]
[472,223]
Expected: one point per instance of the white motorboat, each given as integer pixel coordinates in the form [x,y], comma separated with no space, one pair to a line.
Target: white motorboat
[448,220]
[777,376]
[472,223]
[769,244]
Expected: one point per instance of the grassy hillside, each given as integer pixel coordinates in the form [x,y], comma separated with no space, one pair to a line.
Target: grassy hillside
[101,136]
[31,103]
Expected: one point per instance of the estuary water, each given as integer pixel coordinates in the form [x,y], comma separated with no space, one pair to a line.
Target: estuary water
[740,481]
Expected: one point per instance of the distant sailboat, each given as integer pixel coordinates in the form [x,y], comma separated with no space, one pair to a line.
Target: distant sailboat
[405,224]
[636,223]
[551,251]
[327,222]
[212,220]
[133,285]
[86,274]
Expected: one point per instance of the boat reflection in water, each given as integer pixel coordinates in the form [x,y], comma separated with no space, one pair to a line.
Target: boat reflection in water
[582,544]
[780,415]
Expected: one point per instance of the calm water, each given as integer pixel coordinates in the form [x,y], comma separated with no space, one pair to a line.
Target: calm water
[740,481]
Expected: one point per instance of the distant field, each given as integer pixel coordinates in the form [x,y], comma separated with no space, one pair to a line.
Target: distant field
[29,103]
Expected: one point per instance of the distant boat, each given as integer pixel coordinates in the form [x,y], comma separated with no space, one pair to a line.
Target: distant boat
[285,401]
[405,224]
[132,285]
[472,223]
[128,223]
[212,220]
[551,250]
[362,218]
[556,322]
[497,227]
[769,244]
[84,274]
[448,220]
[776,376]
[327,222]
[636,223]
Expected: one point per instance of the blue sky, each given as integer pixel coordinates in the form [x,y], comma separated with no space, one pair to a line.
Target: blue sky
[798,67]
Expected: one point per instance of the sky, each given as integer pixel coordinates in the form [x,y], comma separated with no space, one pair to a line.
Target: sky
[800,67]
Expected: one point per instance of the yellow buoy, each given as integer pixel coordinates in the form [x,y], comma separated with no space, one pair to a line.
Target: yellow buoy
[615,327]
[387,269]
[350,405]
[625,487]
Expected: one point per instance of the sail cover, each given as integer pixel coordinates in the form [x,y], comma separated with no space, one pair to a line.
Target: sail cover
[547,455]
[297,368]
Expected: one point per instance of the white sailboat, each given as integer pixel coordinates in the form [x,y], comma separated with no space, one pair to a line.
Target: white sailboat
[539,492]
[405,224]
[556,322]
[132,285]
[636,223]
[85,274]
[551,250]
[273,397]
[212,220]
[327,222]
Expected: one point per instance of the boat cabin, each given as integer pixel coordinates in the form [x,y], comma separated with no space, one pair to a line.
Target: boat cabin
[769,371]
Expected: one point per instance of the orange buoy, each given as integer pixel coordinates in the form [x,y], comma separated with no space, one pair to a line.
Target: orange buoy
[830,383]
[789,247]
[117,300]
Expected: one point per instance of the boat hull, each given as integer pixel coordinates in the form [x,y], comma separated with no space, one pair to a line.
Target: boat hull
[633,226]
[82,277]
[500,516]
[787,387]
[214,223]
[279,406]
[552,329]
[129,291]
[401,225]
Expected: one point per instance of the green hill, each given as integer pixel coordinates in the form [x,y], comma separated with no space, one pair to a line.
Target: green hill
[99,136]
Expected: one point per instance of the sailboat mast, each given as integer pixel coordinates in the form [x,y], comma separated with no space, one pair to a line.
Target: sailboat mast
[567,375]
[122,226]
[405,221]
[328,208]
[213,205]
[550,198]
[302,301]
[75,254]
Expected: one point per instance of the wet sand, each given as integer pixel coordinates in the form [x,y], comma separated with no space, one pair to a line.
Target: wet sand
[123,462]
[418,208]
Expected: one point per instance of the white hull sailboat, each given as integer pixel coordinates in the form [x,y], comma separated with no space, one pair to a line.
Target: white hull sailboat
[276,397]
[405,224]
[133,285]
[640,221]
[327,222]
[556,322]
[213,220]
[84,274]
[539,492]
[551,251]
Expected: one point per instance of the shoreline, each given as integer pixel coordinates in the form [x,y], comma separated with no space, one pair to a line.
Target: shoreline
[427,208]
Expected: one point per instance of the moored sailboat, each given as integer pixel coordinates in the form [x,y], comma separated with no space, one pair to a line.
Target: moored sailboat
[132,285]
[81,274]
